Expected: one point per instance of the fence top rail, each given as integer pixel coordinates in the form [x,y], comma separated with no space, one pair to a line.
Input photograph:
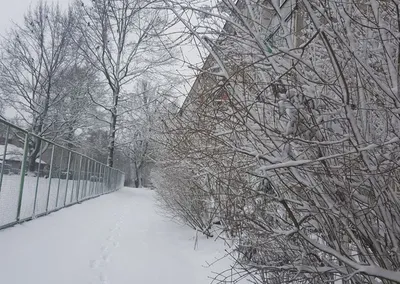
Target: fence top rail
[3,121]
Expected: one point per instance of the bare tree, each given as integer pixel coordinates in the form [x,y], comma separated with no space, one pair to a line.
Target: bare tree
[34,55]
[76,111]
[120,39]
[140,118]
[138,130]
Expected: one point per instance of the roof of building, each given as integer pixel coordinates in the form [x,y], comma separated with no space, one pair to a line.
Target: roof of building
[14,153]
[209,61]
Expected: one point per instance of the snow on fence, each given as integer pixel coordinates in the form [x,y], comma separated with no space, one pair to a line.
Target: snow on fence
[55,178]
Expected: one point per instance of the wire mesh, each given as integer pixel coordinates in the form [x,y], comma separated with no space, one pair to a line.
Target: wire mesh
[38,177]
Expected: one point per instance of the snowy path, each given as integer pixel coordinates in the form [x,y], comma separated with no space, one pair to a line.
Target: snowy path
[114,239]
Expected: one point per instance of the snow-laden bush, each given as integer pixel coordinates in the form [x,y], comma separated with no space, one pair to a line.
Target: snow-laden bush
[180,195]
[293,136]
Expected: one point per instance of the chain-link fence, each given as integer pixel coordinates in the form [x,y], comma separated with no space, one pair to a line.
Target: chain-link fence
[39,177]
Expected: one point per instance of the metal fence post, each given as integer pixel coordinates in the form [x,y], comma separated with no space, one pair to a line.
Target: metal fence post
[112,180]
[115,180]
[49,177]
[79,179]
[106,179]
[87,182]
[85,174]
[103,171]
[59,177]
[119,180]
[109,180]
[96,177]
[87,178]
[22,181]
[4,156]
[67,177]
[91,181]
[98,180]
[90,169]
[93,177]
[37,178]
[74,166]
[82,179]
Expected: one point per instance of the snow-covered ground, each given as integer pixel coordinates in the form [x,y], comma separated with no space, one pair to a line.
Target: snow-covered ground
[118,238]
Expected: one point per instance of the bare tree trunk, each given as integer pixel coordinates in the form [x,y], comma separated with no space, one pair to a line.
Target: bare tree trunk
[139,176]
[111,144]
[32,157]
[114,44]
[136,175]
[113,129]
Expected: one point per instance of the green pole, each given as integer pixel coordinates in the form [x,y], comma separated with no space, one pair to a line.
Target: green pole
[109,180]
[67,177]
[37,179]
[50,174]
[93,169]
[79,180]
[59,177]
[74,166]
[103,178]
[95,177]
[87,180]
[4,156]
[22,180]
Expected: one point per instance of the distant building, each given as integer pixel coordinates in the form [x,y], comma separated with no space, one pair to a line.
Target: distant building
[208,90]
[14,156]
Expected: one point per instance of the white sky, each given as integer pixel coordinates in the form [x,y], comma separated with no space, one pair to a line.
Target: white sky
[13,10]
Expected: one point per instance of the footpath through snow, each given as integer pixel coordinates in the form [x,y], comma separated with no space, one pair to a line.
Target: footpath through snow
[114,239]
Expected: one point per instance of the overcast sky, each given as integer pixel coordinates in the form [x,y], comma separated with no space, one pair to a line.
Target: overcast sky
[13,10]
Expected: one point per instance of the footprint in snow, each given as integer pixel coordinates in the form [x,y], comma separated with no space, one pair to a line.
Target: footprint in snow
[94,264]
[104,249]
[103,279]
[106,257]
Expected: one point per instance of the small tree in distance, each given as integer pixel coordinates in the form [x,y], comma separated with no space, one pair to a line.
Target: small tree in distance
[120,39]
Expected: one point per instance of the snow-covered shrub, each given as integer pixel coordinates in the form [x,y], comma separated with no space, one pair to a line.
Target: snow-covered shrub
[180,193]
[300,158]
